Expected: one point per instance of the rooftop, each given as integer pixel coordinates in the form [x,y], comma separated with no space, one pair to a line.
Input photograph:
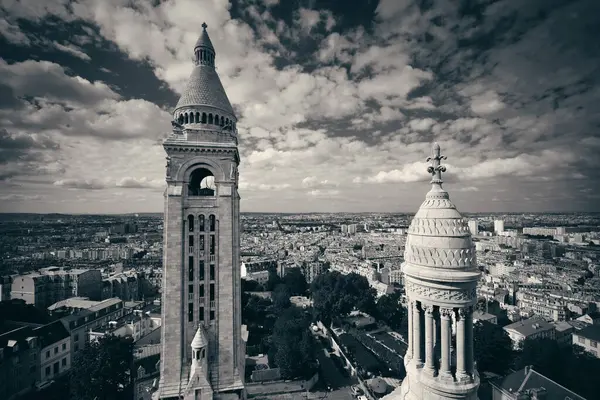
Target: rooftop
[591,332]
[529,379]
[530,326]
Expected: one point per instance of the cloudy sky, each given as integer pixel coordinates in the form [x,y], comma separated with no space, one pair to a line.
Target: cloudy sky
[338,101]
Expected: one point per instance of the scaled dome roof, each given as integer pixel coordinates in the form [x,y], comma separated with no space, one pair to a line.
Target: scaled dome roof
[438,236]
[204,88]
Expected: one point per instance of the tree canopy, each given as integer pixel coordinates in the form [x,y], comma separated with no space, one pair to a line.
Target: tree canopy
[296,282]
[390,311]
[492,347]
[336,295]
[290,345]
[102,370]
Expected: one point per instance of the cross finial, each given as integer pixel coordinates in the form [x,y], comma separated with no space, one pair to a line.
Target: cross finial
[204,26]
[436,169]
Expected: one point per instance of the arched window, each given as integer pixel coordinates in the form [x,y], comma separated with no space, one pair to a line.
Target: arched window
[203,118]
[186,118]
[222,121]
[226,121]
[197,117]
[202,183]
[216,120]
[201,223]
[210,119]
[180,118]
[212,222]
[191,222]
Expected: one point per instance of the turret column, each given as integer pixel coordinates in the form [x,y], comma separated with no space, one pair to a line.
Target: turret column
[416,334]
[409,351]
[461,356]
[469,340]
[446,332]
[429,342]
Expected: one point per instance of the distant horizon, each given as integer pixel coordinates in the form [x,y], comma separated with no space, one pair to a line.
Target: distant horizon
[313,213]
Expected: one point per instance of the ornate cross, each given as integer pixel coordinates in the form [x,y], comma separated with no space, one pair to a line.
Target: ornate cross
[436,169]
[204,26]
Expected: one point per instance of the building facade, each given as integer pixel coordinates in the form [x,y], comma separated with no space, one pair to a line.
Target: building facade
[201,290]
[50,285]
[587,339]
[440,277]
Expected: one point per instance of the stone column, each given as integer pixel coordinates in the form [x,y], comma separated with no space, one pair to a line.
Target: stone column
[461,356]
[446,332]
[429,342]
[416,334]
[469,340]
[411,336]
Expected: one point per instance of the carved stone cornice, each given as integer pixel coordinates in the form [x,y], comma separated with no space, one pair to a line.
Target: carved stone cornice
[435,257]
[458,295]
[439,227]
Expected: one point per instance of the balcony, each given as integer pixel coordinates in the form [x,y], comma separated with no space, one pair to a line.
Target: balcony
[212,304]
[212,258]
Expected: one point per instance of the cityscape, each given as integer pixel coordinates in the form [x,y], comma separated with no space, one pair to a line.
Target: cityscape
[254,199]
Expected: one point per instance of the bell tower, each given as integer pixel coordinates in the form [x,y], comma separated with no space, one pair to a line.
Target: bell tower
[203,340]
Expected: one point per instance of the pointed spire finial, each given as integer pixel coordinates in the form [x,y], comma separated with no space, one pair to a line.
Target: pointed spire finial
[436,169]
[204,26]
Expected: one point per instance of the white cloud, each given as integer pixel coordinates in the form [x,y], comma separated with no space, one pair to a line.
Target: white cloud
[72,49]
[486,103]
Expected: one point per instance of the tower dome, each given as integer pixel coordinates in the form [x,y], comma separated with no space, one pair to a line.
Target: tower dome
[439,244]
[204,103]
[440,276]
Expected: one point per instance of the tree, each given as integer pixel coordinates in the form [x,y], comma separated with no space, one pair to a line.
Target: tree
[273,280]
[337,295]
[281,297]
[296,282]
[102,370]
[390,311]
[492,347]
[291,345]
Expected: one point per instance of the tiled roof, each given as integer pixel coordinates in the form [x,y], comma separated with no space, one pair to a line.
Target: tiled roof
[528,379]
[530,326]
[204,88]
[592,332]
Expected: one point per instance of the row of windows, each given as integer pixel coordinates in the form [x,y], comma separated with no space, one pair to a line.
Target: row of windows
[201,277]
[204,118]
[212,245]
[64,347]
[200,313]
[212,223]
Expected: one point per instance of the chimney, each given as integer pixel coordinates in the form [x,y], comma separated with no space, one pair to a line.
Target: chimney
[539,394]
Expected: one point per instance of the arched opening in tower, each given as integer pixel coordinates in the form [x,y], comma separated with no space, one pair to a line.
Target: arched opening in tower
[202,183]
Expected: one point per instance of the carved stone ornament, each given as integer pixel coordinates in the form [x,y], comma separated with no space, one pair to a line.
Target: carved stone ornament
[168,166]
[440,257]
[429,309]
[439,227]
[446,313]
[462,313]
[233,171]
[441,294]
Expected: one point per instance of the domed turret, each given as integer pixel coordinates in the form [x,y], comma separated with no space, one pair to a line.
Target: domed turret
[204,103]
[440,275]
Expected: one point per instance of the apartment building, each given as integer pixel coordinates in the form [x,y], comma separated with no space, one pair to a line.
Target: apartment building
[532,328]
[50,285]
[588,339]
[542,305]
[136,325]
[86,316]
[125,285]
[55,351]
[19,360]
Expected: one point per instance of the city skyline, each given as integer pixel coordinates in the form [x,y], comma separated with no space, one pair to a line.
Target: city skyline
[337,107]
